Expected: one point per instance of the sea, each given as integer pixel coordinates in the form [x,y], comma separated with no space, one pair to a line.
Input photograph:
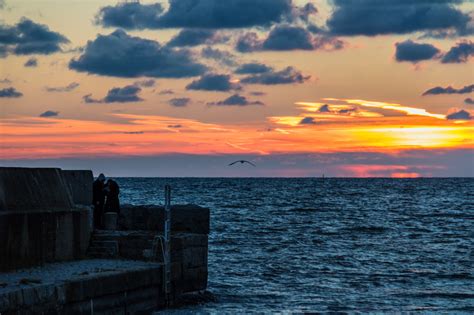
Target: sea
[300,245]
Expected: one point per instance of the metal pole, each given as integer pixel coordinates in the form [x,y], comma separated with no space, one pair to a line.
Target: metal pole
[167,237]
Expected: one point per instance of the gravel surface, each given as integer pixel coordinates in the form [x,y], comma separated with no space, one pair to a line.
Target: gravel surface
[58,272]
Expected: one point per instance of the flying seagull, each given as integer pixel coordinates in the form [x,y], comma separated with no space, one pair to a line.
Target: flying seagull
[241,162]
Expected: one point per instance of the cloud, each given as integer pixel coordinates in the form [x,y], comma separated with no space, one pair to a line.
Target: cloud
[253,68]
[49,113]
[31,63]
[10,92]
[67,88]
[5,81]
[459,53]
[177,126]
[213,82]
[132,15]
[127,94]
[287,37]
[379,17]
[306,11]
[286,76]
[449,90]
[192,37]
[308,121]
[122,55]
[28,37]
[459,115]
[196,14]
[145,83]
[236,100]
[414,52]
[469,101]
[248,42]
[166,92]
[324,109]
[221,56]
[179,102]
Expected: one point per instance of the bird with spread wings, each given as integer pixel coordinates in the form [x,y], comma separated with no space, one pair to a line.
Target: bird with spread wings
[242,162]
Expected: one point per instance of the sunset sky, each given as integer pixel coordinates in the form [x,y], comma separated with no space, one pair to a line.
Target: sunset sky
[355,88]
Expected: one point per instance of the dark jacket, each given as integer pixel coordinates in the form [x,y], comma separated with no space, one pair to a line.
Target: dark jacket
[112,204]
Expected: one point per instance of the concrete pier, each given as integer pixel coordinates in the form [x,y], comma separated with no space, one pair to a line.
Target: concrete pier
[52,261]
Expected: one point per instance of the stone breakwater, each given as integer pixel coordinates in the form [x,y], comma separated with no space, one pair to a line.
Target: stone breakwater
[52,261]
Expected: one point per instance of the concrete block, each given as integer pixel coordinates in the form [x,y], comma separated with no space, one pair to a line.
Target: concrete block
[30,189]
[110,221]
[64,248]
[80,185]
[184,218]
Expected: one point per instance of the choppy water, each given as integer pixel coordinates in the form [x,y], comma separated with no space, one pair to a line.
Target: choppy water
[342,245]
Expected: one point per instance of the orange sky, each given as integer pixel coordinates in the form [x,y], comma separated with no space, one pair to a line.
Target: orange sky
[374,104]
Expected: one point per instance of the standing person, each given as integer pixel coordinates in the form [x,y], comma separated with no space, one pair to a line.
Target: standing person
[112,203]
[98,200]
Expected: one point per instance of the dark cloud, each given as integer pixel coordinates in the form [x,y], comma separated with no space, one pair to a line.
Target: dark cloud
[287,37]
[221,56]
[145,83]
[378,17]
[121,55]
[308,121]
[5,81]
[459,53]
[248,42]
[67,88]
[126,94]
[49,113]
[213,82]
[285,76]
[449,90]
[324,109]
[177,126]
[179,102]
[10,92]
[166,92]
[28,37]
[306,11]
[3,51]
[192,37]
[257,93]
[196,14]
[31,63]
[459,115]
[130,15]
[414,52]
[236,100]
[253,68]
[469,101]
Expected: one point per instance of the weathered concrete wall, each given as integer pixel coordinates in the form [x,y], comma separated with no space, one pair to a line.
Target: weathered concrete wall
[184,218]
[33,189]
[189,262]
[80,185]
[38,220]
[122,292]
[34,238]
[189,241]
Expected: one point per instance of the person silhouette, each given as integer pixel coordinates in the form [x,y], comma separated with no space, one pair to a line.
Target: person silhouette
[112,204]
[98,200]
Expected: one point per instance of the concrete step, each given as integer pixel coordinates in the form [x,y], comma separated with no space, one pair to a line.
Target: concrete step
[101,255]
